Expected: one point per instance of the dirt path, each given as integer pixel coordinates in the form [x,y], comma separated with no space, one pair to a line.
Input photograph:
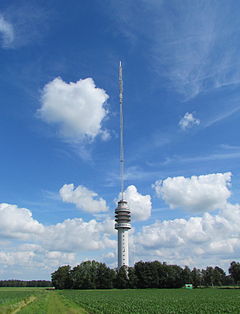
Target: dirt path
[23,303]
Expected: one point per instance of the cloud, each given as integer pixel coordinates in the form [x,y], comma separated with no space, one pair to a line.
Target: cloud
[30,22]
[186,46]
[31,263]
[74,235]
[110,255]
[83,198]
[7,32]
[228,112]
[178,241]
[140,205]
[184,40]
[18,223]
[20,258]
[29,243]
[197,241]
[77,108]
[188,121]
[71,235]
[195,194]
[199,158]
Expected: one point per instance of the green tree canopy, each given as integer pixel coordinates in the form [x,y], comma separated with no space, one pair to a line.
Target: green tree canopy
[61,278]
[234,271]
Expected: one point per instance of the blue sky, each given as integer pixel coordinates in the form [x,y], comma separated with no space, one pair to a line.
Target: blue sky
[59,132]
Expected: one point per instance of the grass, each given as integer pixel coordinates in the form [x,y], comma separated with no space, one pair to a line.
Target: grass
[38,306]
[13,299]
[35,300]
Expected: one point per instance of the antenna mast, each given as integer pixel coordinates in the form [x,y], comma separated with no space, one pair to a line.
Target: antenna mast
[122,212]
[121,130]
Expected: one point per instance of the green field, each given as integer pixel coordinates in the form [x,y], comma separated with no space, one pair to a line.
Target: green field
[41,301]
[157,301]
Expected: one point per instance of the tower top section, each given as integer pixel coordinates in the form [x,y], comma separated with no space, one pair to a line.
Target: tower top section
[122,216]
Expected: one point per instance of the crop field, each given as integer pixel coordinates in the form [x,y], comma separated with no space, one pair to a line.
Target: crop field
[41,301]
[157,301]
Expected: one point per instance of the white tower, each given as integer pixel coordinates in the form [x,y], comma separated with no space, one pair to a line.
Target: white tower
[122,212]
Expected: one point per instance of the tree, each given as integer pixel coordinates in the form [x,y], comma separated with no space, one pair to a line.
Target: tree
[61,278]
[187,275]
[84,275]
[196,275]
[219,276]
[154,273]
[234,271]
[92,275]
[122,278]
[96,275]
[174,277]
[147,275]
[105,277]
[162,275]
[158,275]
[229,281]
[213,276]
[208,276]
[132,278]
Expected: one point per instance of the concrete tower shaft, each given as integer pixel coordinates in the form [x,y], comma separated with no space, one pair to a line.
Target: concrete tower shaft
[123,219]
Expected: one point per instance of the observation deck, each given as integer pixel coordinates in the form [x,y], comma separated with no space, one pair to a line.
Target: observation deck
[122,216]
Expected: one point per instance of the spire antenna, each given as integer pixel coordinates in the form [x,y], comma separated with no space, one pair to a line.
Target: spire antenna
[121,131]
[122,212]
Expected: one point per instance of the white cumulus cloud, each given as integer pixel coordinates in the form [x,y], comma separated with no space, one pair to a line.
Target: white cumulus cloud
[28,244]
[17,222]
[196,194]
[74,235]
[83,198]
[7,32]
[212,239]
[188,121]
[197,241]
[71,235]
[25,263]
[20,258]
[77,108]
[140,205]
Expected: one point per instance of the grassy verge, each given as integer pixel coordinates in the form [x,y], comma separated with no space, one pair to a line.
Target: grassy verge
[12,300]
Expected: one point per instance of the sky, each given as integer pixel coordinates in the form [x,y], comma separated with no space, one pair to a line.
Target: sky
[59,132]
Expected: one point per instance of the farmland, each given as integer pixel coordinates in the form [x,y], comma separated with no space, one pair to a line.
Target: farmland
[157,300]
[37,300]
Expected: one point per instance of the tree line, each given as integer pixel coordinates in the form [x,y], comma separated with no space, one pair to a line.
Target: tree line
[96,275]
[24,283]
